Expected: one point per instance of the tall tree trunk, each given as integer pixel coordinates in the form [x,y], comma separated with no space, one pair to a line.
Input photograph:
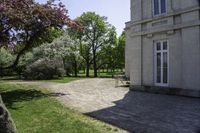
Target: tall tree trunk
[84,70]
[87,60]
[6,123]
[94,63]
[95,68]
[87,69]
[1,71]
[75,68]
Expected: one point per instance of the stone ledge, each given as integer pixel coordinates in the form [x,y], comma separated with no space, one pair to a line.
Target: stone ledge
[167,91]
[182,11]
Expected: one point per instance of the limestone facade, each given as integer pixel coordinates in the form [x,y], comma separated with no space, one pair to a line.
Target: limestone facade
[163,44]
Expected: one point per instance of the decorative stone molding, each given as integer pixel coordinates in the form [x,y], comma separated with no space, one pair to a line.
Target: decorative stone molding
[130,23]
[170,32]
[149,35]
[168,28]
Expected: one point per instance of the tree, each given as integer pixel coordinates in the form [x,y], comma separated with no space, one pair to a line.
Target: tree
[112,53]
[5,59]
[62,49]
[24,61]
[84,47]
[44,69]
[6,123]
[25,24]
[121,50]
[74,57]
[108,53]
[94,31]
[67,50]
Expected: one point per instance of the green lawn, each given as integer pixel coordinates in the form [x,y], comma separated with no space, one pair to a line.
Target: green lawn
[36,110]
[63,79]
[81,75]
[102,73]
[56,80]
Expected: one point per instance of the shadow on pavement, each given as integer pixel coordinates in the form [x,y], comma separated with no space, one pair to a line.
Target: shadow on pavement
[141,112]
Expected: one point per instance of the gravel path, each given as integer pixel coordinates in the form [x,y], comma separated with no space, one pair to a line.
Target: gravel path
[137,112]
[89,95]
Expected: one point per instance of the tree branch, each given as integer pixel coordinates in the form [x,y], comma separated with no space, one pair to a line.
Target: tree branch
[28,45]
[17,58]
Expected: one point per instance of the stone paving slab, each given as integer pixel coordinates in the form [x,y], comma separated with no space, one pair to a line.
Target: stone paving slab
[153,113]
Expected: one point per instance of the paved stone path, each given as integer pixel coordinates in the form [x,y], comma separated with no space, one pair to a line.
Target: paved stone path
[133,111]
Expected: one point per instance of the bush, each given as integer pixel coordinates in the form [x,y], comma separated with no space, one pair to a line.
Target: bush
[44,69]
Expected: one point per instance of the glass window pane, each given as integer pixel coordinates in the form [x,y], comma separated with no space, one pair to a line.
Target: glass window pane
[158,66]
[165,63]
[156,7]
[165,75]
[165,67]
[158,60]
[163,6]
[158,78]
[158,46]
[164,45]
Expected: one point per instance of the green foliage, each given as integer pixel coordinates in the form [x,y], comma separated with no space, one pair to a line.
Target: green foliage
[109,53]
[25,24]
[63,49]
[121,50]
[44,69]
[24,61]
[99,45]
[94,33]
[93,24]
[59,48]
[6,57]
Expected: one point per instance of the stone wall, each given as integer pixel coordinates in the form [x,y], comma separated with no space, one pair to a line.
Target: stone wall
[180,26]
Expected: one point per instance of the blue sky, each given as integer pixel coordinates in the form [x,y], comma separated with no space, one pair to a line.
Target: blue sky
[117,11]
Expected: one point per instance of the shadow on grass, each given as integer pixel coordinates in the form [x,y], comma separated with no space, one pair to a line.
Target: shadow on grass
[5,78]
[20,95]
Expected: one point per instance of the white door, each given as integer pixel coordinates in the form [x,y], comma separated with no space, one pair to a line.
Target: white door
[161,63]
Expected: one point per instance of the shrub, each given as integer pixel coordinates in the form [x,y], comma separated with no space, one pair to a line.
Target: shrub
[44,69]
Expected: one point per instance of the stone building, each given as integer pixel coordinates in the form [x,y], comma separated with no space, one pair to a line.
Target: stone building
[163,46]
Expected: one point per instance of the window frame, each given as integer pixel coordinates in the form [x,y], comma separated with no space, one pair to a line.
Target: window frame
[161,51]
[159,10]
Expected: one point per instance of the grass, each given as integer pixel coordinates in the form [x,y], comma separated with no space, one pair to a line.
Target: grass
[36,110]
[63,79]
[81,75]
[56,80]
[101,73]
